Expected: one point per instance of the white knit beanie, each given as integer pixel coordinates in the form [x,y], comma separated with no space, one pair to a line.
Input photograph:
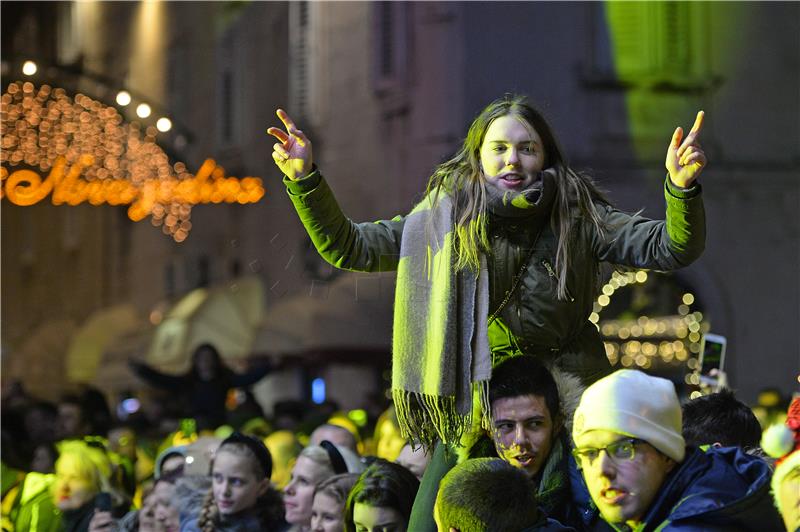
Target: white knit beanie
[635,404]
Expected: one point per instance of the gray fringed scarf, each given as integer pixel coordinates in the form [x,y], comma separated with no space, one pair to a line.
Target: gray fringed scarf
[440,345]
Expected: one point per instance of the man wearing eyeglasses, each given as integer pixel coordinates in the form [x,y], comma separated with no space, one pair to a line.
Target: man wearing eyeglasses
[640,474]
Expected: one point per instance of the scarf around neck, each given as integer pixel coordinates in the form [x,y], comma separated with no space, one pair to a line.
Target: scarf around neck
[441,358]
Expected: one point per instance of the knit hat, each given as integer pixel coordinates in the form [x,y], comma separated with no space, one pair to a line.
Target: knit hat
[176,450]
[783,442]
[635,404]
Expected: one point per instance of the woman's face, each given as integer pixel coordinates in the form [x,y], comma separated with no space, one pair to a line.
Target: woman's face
[512,154]
[789,496]
[164,512]
[377,519]
[72,489]
[299,492]
[326,514]
[390,442]
[147,516]
[234,483]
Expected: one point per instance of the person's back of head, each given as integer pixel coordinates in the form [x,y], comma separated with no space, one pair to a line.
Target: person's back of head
[486,494]
[720,419]
[334,434]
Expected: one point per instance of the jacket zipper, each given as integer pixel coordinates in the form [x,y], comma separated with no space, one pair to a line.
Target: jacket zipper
[519,313]
[552,273]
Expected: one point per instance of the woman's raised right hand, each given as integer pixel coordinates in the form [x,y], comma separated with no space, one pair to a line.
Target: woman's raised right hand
[292,153]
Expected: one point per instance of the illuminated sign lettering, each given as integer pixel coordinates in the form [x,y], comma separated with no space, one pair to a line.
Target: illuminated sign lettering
[64,186]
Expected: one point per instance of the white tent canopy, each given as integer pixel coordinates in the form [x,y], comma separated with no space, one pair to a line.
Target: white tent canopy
[95,336]
[224,316]
[353,311]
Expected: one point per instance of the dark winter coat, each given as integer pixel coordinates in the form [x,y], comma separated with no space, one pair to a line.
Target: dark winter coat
[715,490]
[534,321]
[190,493]
[206,398]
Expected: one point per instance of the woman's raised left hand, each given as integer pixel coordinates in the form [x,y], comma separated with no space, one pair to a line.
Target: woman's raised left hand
[685,157]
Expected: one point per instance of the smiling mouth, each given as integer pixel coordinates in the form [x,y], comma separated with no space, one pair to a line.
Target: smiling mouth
[512,178]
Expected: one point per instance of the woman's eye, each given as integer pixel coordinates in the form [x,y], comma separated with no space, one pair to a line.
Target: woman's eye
[498,149]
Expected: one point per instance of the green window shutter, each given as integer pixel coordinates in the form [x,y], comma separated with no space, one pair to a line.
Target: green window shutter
[657,43]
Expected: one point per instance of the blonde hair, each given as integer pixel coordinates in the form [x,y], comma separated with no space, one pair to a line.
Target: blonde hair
[89,462]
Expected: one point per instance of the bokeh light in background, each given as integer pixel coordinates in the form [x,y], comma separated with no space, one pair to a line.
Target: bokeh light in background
[143,110]
[29,68]
[123,98]
[164,124]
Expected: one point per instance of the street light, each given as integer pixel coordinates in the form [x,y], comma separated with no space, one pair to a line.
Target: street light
[29,68]
[164,124]
[143,110]
[123,98]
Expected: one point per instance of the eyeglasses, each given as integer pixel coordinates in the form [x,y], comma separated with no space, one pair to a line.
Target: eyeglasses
[619,451]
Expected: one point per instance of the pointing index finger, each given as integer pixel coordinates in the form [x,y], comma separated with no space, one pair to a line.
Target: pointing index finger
[698,123]
[692,135]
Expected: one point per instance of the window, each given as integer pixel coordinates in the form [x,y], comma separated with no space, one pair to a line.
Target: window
[392,43]
[229,89]
[300,60]
[658,44]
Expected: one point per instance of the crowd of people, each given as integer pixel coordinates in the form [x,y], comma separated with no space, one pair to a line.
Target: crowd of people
[506,414]
[619,454]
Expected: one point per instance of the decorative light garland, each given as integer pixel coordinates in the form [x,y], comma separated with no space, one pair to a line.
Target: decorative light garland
[91,154]
[672,339]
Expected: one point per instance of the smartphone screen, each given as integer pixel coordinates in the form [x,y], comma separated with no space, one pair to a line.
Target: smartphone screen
[712,354]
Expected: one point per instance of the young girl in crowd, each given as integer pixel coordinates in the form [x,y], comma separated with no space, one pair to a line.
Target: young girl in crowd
[381,499]
[240,497]
[327,510]
[314,465]
[500,258]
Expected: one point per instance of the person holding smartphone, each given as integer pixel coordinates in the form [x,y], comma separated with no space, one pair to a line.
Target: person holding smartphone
[500,258]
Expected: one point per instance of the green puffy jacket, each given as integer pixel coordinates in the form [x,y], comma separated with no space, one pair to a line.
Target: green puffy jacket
[534,321]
